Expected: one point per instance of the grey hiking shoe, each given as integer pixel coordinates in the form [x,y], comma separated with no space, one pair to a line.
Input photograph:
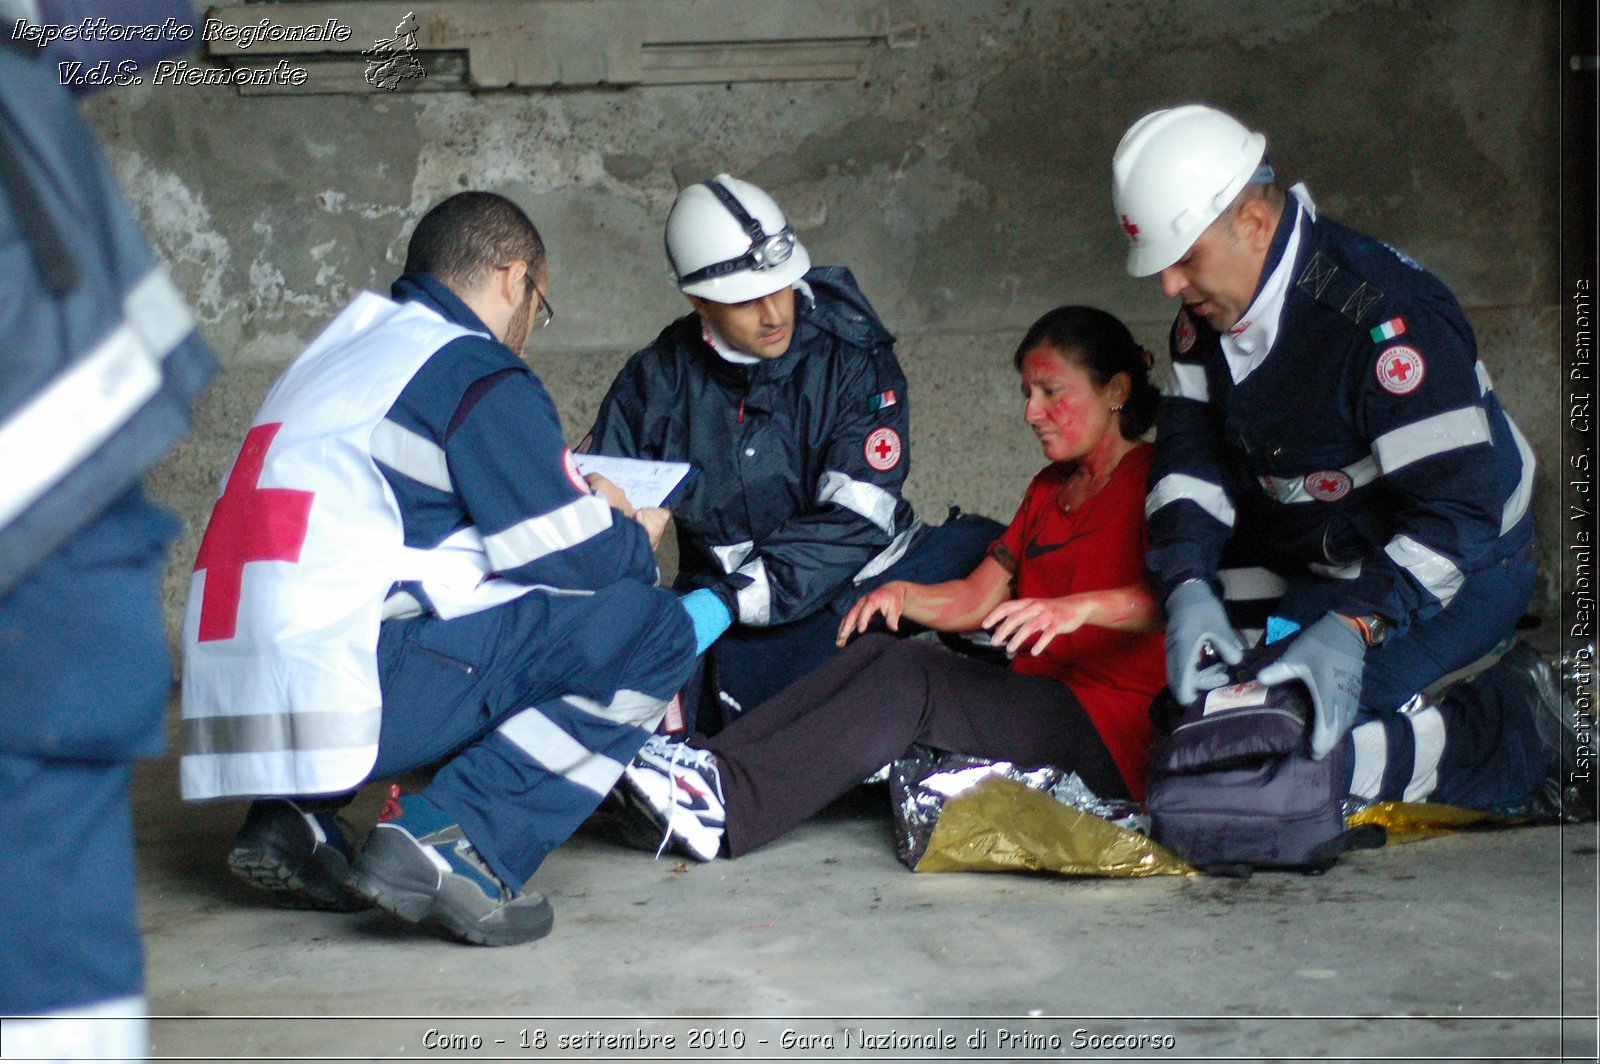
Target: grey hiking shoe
[424,870]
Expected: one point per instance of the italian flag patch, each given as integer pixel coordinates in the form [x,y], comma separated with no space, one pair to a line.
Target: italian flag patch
[882,401]
[1388,330]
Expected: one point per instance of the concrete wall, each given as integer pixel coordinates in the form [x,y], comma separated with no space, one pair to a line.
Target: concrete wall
[965,179]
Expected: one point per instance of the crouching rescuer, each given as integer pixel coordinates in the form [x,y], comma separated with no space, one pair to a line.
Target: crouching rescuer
[391,580]
[1335,473]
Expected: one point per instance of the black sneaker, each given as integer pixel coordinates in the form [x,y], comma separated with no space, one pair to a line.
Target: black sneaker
[1568,792]
[424,870]
[298,854]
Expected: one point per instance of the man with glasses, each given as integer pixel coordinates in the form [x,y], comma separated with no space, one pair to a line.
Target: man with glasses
[783,391]
[406,569]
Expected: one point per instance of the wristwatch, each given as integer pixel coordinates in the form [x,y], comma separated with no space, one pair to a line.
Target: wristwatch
[1373,629]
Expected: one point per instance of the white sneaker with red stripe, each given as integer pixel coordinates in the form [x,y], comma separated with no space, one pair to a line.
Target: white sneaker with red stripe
[680,788]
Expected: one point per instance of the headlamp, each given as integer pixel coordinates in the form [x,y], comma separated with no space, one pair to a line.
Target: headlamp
[766,251]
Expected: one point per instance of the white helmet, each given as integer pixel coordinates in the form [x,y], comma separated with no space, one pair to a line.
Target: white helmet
[1174,173]
[728,241]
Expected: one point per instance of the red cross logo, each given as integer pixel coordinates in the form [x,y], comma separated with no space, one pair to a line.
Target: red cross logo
[1328,486]
[883,449]
[1400,369]
[248,524]
[1131,229]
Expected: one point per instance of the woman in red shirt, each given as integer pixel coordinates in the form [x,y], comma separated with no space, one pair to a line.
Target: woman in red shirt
[1063,591]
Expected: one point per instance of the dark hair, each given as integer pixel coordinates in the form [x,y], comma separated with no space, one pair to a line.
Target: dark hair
[1100,345]
[461,239]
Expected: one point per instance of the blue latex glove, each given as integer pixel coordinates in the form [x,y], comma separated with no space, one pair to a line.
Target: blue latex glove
[1327,658]
[709,616]
[1195,619]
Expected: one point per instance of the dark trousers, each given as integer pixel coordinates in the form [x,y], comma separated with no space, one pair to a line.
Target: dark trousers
[1490,758]
[753,664]
[533,706]
[805,747]
[84,678]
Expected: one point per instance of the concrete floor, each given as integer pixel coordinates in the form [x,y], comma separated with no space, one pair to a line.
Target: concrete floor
[1470,946]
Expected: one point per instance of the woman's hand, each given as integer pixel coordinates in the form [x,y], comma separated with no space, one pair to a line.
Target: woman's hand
[888,601]
[1017,621]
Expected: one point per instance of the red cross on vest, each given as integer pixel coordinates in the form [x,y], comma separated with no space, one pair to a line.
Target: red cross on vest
[249,524]
[884,449]
[1398,370]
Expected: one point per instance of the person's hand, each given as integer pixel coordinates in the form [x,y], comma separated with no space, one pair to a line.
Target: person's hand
[888,601]
[614,496]
[654,519]
[1196,619]
[1018,620]
[708,615]
[1327,657]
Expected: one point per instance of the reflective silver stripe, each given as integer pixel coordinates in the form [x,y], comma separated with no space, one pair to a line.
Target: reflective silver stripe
[859,497]
[1517,505]
[1187,382]
[65,422]
[1293,489]
[755,601]
[733,555]
[255,733]
[414,455]
[1441,433]
[1485,385]
[549,746]
[1336,572]
[563,527]
[1436,573]
[890,554]
[1428,737]
[1251,583]
[1371,745]
[401,604]
[626,707]
[1175,487]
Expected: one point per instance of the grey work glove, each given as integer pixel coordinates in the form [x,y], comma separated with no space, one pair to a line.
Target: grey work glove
[1327,658]
[1195,619]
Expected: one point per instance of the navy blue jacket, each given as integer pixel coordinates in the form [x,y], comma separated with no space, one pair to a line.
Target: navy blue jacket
[508,462]
[81,293]
[1381,460]
[788,505]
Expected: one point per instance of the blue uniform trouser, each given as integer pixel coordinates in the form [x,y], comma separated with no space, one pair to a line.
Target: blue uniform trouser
[84,679]
[1491,756]
[753,664]
[532,707]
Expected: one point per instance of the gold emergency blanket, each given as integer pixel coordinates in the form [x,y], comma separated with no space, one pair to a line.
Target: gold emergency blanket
[1000,825]
[1414,821]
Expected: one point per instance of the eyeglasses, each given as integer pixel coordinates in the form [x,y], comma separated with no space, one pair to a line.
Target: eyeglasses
[545,314]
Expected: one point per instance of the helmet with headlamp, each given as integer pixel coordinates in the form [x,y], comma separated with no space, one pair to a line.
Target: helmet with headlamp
[728,241]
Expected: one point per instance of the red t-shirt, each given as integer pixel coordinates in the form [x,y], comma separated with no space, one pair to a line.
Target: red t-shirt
[1096,545]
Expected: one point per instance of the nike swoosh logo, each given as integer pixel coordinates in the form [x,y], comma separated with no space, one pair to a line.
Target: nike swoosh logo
[1039,550]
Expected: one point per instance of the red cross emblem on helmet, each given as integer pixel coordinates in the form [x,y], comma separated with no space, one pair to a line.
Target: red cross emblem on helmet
[1400,369]
[1131,229]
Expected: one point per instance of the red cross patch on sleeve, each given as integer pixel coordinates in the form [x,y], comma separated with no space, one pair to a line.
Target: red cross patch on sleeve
[883,449]
[1400,369]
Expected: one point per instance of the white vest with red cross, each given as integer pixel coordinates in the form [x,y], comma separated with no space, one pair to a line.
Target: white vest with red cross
[281,693]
